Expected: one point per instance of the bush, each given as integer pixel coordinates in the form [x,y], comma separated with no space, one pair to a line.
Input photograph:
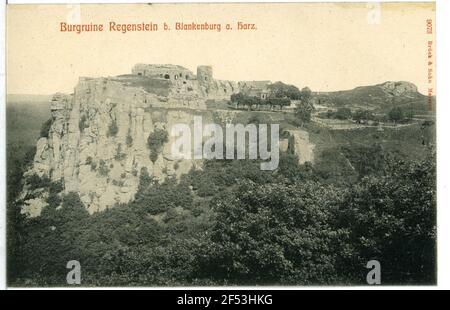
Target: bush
[119,154]
[156,141]
[393,220]
[363,115]
[343,113]
[276,234]
[93,166]
[103,168]
[82,124]
[113,129]
[54,199]
[35,182]
[396,115]
[56,187]
[88,160]
[129,140]
[303,111]
[154,197]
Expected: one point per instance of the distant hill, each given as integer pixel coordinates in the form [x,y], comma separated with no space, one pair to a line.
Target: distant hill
[377,97]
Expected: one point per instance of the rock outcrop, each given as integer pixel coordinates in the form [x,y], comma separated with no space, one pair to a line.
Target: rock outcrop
[97,143]
[399,88]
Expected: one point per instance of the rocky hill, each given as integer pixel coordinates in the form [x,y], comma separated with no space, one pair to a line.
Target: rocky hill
[381,97]
[96,142]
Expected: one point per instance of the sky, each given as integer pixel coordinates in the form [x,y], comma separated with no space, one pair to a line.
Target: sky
[326,47]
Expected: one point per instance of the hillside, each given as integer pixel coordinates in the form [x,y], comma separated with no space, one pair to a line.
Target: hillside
[379,97]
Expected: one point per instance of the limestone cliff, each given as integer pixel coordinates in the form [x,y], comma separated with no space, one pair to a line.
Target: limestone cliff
[97,141]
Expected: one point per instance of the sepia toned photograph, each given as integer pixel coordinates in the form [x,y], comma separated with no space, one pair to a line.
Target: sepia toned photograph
[219,144]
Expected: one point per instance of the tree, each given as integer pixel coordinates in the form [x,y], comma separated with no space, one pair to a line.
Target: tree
[343,113]
[409,114]
[276,234]
[281,90]
[393,220]
[156,141]
[281,102]
[113,129]
[360,115]
[83,123]
[103,168]
[303,111]
[129,139]
[305,94]
[154,197]
[396,114]
[120,155]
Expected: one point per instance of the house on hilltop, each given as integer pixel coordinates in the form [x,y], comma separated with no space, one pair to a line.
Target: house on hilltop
[255,88]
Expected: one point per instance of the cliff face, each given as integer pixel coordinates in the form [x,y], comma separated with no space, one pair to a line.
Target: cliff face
[97,142]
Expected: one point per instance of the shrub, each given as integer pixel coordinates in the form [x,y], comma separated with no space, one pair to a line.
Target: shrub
[245,251]
[54,200]
[156,141]
[82,124]
[113,129]
[343,113]
[88,160]
[362,115]
[396,114]
[303,111]
[153,156]
[56,187]
[103,168]
[153,197]
[93,166]
[36,181]
[129,139]
[119,154]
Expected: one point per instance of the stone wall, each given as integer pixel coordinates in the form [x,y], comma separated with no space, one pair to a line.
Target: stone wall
[169,72]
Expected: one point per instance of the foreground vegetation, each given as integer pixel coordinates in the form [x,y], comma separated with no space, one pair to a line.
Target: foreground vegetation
[233,224]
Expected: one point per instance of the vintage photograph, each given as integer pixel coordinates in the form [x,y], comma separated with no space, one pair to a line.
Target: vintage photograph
[244,144]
